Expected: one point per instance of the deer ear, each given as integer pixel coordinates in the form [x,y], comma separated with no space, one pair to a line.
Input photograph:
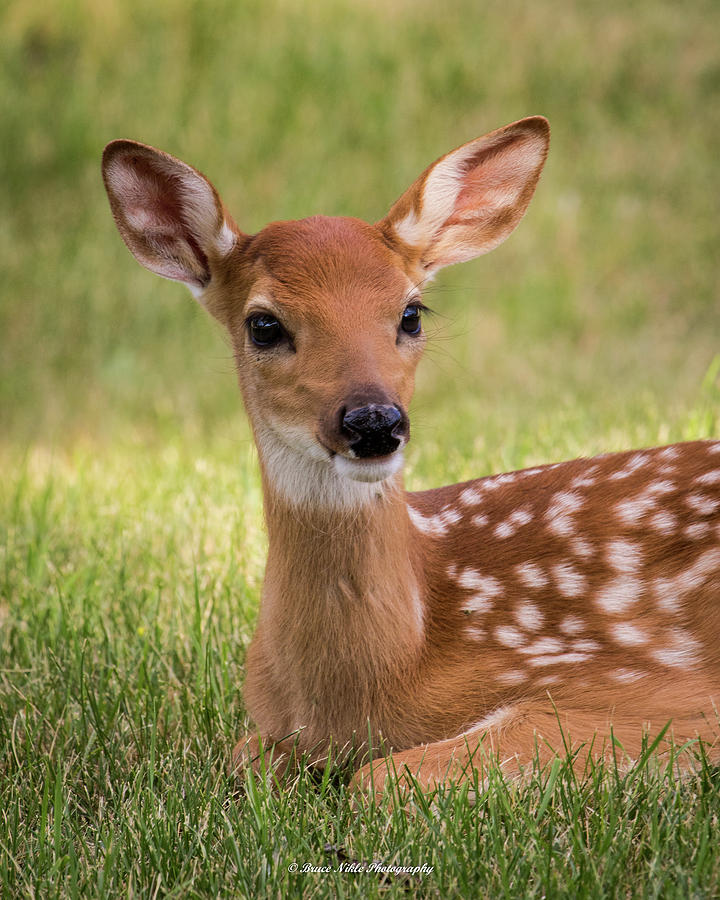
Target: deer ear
[168,214]
[470,200]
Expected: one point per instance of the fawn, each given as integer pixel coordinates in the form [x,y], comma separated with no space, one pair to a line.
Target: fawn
[569,605]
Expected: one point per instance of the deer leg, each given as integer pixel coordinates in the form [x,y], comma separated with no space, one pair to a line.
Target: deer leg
[512,738]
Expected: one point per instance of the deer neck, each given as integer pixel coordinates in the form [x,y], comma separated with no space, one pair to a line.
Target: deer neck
[343,588]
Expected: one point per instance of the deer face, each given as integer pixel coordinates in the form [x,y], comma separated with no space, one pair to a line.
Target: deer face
[325,314]
[327,338]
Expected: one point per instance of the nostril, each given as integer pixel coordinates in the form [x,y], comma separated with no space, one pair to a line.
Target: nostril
[345,428]
[399,428]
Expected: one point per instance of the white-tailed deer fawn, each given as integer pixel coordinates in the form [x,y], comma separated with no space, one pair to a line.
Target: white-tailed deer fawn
[568,602]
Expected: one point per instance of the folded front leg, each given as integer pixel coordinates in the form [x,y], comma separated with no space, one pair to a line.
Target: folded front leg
[514,737]
[430,765]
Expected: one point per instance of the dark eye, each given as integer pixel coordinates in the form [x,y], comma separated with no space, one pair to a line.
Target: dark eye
[411,322]
[264,330]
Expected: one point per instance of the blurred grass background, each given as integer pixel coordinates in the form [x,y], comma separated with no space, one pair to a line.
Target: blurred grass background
[601,312]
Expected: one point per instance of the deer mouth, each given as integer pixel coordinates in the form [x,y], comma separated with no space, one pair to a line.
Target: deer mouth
[348,464]
[377,468]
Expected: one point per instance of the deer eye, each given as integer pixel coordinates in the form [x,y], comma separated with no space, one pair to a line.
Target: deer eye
[411,322]
[264,330]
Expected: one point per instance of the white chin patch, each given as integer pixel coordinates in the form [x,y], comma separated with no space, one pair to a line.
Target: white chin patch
[368,470]
[304,473]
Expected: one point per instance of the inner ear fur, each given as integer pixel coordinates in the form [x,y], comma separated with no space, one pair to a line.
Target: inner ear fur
[470,200]
[169,215]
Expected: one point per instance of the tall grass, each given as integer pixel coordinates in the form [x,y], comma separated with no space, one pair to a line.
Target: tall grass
[131,537]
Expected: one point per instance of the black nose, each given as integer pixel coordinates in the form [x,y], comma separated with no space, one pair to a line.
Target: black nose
[375,429]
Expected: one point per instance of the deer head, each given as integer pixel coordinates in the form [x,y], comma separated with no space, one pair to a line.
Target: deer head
[325,314]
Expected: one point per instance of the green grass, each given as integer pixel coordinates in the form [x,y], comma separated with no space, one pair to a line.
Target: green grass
[131,537]
[132,583]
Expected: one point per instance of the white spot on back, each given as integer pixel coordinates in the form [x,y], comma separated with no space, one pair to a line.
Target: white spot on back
[529,616]
[702,504]
[666,594]
[437,525]
[547,680]
[569,581]
[515,520]
[479,521]
[624,556]
[509,636]
[572,625]
[664,522]
[661,487]
[492,484]
[477,603]
[485,588]
[562,659]
[585,646]
[631,511]
[544,646]
[693,578]
[631,466]
[474,581]
[670,591]
[619,595]
[582,481]
[511,676]
[431,525]
[628,634]
[679,651]
[531,575]
[625,676]
[475,633]
[712,477]
[697,530]
[582,547]
[471,496]
[559,513]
